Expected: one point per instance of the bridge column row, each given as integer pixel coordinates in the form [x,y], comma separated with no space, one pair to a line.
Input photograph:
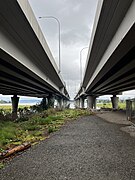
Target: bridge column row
[46,103]
[62,103]
[91,102]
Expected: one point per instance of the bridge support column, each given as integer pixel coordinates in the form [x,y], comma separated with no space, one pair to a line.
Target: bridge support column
[60,103]
[78,103]
[50,100]
[44,103]
[81,102]
[91,102]
[115,100]
[95,102]
[75,103]
[15,101]
[65,104]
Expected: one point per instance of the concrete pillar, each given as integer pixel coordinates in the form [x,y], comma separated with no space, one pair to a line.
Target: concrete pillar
[78,103]
[60,103]
[115,100]
[94,102]
[65,103]
[81,102]
[44,103]
[50,100]
[75,103]
[91,102]
[15,101]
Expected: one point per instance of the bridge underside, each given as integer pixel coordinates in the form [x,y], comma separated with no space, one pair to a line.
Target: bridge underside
[110,65]
[118,74]
[17,79]
[27,67]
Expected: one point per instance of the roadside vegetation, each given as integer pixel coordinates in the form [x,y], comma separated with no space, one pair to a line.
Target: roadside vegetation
[34,127]
[35,124]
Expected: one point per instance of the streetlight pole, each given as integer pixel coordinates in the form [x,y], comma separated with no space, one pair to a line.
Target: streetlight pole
[52,17]
[81,63]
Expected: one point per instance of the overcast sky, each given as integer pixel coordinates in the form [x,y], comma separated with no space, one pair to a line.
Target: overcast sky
[76,19]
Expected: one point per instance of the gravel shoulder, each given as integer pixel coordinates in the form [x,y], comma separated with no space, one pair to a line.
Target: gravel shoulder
[118,117]
[89,148]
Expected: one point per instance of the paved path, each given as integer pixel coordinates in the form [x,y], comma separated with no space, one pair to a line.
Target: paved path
[87,149]
[118,117]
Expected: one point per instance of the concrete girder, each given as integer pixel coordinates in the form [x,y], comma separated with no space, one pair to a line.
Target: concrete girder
[110,36]
[115,78]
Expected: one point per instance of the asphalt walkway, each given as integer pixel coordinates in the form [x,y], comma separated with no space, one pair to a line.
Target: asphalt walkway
[86,149]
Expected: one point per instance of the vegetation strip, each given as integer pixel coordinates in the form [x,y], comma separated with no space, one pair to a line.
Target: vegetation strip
[34,128]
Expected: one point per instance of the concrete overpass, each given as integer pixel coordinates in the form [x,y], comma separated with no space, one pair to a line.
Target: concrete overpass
[27,67]
[110,67]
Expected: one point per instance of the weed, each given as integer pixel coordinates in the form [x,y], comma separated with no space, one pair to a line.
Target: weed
[51,129]
[1,165]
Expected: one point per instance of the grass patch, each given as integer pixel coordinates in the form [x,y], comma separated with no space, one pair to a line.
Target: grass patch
[51,129]
[36,127]
[8,133]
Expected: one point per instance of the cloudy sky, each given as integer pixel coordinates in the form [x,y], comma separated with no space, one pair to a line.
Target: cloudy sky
[76,19]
